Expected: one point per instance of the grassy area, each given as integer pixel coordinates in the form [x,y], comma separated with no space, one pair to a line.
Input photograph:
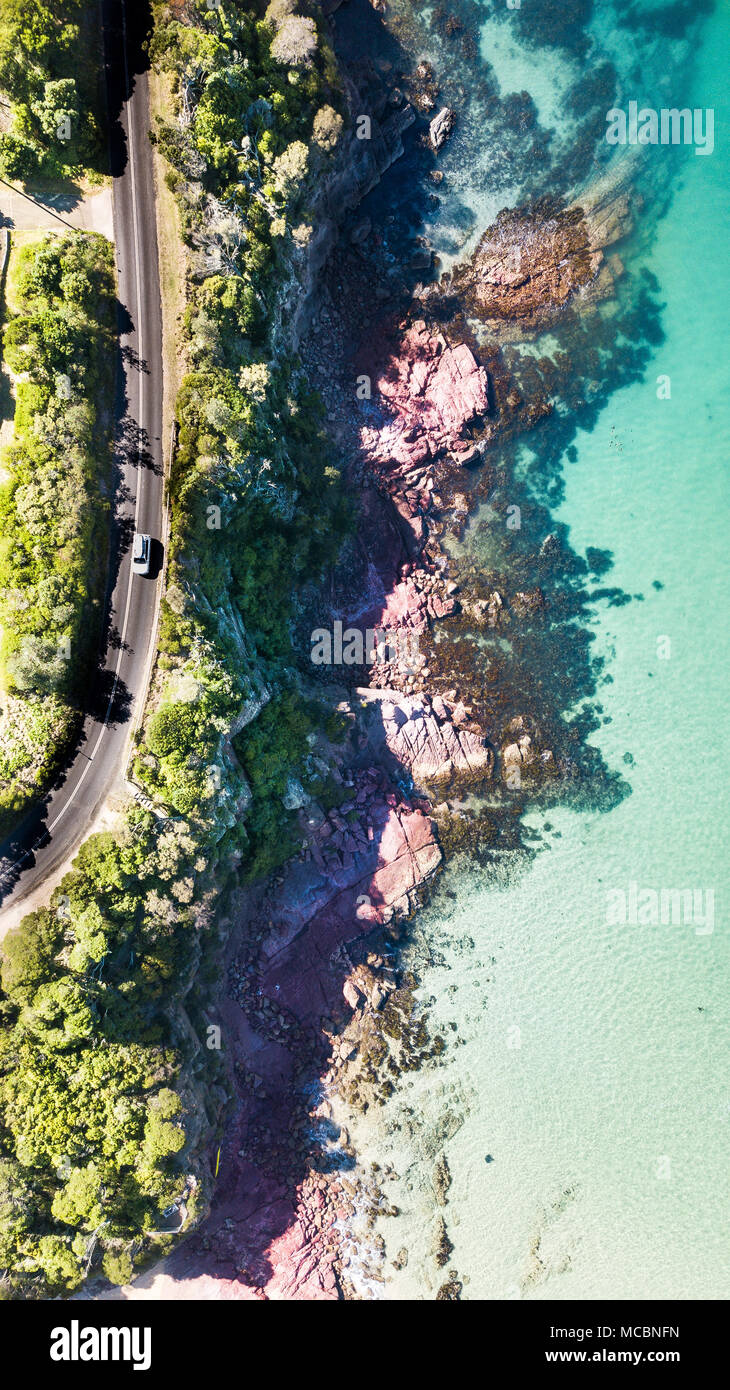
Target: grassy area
[171,264]
[7,399]
[18,241]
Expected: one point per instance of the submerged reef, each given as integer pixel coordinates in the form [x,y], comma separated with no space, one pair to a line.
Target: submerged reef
[532,262]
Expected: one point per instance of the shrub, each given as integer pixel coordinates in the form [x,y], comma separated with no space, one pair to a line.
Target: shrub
[327,127]
[290,170]
[296,41]
[18,158]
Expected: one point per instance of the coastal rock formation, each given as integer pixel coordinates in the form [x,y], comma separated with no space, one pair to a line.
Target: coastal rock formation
[423,89]
[528,264]
[441,127]
[410,603]
[428,737]
[356,874]
[359,167]
[536,259]
[274,1232]
[430,395]
[432,392]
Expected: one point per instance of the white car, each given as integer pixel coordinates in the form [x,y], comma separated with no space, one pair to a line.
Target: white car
[141,553]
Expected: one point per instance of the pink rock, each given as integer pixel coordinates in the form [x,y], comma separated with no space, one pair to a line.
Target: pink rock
[418,830]
[432,392]
[423,737]
[351,994]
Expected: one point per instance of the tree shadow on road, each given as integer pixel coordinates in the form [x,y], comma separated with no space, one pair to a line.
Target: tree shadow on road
[120,77]
[111,702]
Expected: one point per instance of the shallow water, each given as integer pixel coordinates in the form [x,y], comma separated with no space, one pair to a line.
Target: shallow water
[584,1104]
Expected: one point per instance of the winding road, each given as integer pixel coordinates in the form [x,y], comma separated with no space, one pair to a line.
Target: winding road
[52,831]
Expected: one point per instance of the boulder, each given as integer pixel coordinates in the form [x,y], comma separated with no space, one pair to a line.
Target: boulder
[431,393]
[441,127]
[361,232]
[351,993]
[516,757]
[529,264]
[295,796]
[421,736]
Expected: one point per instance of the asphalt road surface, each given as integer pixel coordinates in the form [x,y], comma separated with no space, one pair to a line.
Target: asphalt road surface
[54,828]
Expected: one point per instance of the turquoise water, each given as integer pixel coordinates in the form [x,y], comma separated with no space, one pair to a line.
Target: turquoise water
[591,1065]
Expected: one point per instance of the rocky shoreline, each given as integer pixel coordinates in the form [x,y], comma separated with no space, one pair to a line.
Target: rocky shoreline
[314,1002]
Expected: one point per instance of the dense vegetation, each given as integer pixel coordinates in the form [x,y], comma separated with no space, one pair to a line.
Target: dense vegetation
[53,509]
[50,74]
[98,1132]
[257,506]
[90,1122]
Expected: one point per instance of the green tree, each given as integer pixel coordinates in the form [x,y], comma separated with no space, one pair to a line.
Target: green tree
[80,1203]
[172,730]
[58,111]
[59,1260]
[18,158]
[117,1266]
[28,953]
